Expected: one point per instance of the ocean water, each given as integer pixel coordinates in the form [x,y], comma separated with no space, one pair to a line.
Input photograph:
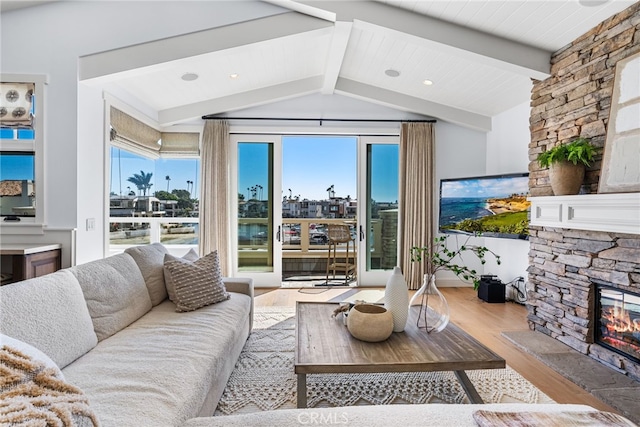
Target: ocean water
[454,210]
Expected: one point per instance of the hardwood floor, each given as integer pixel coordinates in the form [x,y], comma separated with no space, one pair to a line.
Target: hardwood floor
[483,321]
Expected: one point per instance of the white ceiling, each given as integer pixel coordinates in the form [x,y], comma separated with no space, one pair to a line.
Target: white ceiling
[480,54]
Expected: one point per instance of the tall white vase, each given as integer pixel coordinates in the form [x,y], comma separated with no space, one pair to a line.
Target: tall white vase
[396,299]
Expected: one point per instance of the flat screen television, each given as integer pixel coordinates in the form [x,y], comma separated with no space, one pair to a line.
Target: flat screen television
[495,206]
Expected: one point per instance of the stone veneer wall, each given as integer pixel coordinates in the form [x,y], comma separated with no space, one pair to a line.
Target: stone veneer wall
[576,99]
[566,264]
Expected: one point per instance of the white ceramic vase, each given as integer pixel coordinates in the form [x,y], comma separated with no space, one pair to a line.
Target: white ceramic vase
[396,299]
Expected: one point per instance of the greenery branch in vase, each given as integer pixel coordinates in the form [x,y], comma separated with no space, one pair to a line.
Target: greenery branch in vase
[434,310]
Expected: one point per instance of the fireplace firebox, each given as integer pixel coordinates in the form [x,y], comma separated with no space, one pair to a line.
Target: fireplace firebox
[618,321]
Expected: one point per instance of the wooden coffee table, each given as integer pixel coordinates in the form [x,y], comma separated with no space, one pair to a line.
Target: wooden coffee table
[324,346]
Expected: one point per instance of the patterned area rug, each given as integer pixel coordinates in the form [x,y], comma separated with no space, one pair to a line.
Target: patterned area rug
[263,378]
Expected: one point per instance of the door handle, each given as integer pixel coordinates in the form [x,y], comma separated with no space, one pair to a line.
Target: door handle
[361,234]
[278,234]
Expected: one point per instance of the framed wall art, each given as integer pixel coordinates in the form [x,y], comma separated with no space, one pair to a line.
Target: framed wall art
[621,162]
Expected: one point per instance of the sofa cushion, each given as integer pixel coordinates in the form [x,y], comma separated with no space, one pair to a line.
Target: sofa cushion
[150,259]
[115,292]
[49,313]
[158,371]
[197,284]
[171,290]
[428,415]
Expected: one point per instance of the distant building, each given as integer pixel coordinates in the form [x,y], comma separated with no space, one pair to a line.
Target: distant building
[17,197]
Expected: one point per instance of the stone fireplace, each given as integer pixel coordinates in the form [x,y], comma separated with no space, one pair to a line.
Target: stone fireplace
[569,262]
[580,242]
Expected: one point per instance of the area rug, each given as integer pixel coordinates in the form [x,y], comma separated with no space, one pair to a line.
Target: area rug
[263,378]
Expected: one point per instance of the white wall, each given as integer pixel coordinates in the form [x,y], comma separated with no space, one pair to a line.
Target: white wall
[508,152]
[465,153]
[460,153]
[58,35]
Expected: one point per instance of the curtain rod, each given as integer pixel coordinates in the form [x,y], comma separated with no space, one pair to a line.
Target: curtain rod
[299,119]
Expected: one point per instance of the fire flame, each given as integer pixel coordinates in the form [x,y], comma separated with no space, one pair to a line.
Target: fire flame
[618,319]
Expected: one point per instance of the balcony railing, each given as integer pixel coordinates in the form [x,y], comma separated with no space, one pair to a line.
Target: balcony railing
[302,238]
[125,232]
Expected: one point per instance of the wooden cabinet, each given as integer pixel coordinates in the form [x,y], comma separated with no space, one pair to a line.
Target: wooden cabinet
[21,262]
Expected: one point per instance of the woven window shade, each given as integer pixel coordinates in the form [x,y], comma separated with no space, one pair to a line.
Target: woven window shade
[15,104]
[180,144]
[130,131]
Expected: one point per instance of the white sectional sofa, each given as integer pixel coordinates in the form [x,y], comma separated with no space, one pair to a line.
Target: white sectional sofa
[111,329]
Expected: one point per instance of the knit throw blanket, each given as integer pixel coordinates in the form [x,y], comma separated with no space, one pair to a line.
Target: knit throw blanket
[33,395]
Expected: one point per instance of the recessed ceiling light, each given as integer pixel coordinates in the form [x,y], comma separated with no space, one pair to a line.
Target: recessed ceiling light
[392,73]
[234,76]
[427,82]
[189,77]
[592,3]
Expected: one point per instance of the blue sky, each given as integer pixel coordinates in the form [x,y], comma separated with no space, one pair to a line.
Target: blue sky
[180,171]
[483,187]
[311,164]
[16,166]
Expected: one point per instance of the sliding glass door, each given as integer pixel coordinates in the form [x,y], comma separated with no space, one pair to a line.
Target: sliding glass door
[291,190]
[378,209]
[258,224]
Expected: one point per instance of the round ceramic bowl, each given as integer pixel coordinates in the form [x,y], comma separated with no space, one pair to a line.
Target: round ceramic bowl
[371,323]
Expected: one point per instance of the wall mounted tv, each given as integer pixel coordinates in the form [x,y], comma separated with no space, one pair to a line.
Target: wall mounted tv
[495,206]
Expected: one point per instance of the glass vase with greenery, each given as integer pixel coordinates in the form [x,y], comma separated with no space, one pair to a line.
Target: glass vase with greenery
[434,310]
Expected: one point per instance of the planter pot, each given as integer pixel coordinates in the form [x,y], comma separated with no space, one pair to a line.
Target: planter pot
[566,178]
[371,323]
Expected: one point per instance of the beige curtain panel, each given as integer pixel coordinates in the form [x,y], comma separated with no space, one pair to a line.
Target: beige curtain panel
[214,193]
[417,189]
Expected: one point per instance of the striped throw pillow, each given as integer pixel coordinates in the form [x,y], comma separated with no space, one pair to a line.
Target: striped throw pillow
[198,283]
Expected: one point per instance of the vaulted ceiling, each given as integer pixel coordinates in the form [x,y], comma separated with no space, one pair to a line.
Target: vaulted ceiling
[479,55]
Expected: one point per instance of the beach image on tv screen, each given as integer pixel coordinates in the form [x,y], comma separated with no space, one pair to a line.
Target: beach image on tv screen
[487,205]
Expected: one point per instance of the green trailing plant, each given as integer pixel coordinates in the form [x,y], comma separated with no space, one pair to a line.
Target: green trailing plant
[580,150]
[442,258]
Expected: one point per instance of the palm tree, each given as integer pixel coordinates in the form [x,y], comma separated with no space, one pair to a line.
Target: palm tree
[142,181]
[168,178]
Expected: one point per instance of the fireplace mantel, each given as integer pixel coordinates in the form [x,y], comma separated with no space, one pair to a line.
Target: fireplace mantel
[619,212]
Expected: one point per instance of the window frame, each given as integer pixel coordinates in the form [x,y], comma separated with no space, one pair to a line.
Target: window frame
[154,222]
[37,146]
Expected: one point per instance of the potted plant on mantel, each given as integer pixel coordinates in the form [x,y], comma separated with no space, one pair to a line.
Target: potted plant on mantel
[434,310]
[566,163]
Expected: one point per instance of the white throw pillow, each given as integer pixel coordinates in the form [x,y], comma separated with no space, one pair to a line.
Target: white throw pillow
[197,284]
[168,282]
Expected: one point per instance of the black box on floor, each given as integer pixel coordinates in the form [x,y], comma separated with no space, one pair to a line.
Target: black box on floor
[491,289]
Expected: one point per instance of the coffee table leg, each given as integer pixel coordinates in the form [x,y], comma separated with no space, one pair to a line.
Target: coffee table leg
[302,390]
[466,384]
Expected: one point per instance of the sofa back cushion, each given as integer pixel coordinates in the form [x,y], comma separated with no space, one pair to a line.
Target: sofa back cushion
[115,292]
[49,313]
[150,259]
